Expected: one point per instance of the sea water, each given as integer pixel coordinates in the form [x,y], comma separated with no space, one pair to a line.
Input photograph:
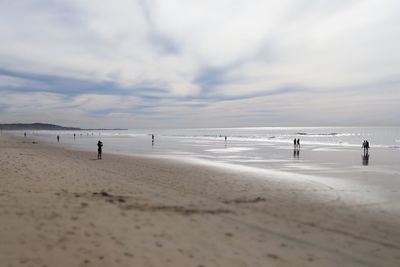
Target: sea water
[332,156]
[321,148]
[248,144]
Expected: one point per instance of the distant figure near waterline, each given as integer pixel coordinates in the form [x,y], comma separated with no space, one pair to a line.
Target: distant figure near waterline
[365,146]
[58,138]
[25,134]
[226,138]
[296,148]
[74,136]
[99,149]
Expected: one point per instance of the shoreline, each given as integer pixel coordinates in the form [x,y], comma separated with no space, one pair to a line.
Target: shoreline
[63,206]
[317,168]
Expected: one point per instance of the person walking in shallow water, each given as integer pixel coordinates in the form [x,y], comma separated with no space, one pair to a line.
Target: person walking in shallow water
[99,149]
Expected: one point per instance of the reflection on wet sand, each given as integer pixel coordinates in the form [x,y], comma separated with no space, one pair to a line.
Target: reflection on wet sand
[296,153]
[365,159]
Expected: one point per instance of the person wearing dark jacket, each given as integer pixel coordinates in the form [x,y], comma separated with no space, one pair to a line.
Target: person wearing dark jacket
[99,149]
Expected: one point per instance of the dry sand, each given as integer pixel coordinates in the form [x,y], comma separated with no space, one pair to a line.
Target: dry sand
[60,207]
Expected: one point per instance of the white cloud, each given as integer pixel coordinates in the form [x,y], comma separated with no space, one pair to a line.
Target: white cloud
[92,102]
[255,47]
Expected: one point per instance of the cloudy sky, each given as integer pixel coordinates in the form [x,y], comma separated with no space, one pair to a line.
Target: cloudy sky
[199,63]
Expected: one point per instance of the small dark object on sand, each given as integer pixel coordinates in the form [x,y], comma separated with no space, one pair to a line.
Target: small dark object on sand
[105,194]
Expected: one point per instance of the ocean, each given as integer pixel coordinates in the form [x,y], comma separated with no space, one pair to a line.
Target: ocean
[259,147]
[330,156]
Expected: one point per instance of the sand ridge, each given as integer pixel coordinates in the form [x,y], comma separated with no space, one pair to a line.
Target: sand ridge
[61,207]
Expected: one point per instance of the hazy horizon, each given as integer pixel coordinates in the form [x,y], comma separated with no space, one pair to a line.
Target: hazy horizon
[195,64]
[227,127]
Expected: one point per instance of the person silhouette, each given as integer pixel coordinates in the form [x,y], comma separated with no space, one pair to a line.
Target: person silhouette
[99,149]
[25,134]
[298,143]
[74,136]
[365,146]
[58,138]
[294,143]
[226,138]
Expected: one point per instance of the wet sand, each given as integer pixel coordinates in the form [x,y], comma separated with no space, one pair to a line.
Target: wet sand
[61,207]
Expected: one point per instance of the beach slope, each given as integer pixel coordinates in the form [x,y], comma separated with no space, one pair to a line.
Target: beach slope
[60,207]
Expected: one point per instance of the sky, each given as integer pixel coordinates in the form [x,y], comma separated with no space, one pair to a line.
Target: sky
[200,63]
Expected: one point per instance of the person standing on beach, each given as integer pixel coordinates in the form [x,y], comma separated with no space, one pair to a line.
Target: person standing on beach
[298,143]
[365,156]
[58,139]
[25,134]
[226,138]
[295,143]
[365,146]
[99,149]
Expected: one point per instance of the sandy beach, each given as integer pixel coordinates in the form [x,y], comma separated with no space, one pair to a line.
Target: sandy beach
[63,207]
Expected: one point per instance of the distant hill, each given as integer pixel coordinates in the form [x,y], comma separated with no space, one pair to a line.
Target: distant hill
[43,126]
[35,126]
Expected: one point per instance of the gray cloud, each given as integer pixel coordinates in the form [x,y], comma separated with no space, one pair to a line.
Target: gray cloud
[190,63]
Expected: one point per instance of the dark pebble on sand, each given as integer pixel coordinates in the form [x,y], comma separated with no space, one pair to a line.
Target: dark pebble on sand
[273,256]
[105,194]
